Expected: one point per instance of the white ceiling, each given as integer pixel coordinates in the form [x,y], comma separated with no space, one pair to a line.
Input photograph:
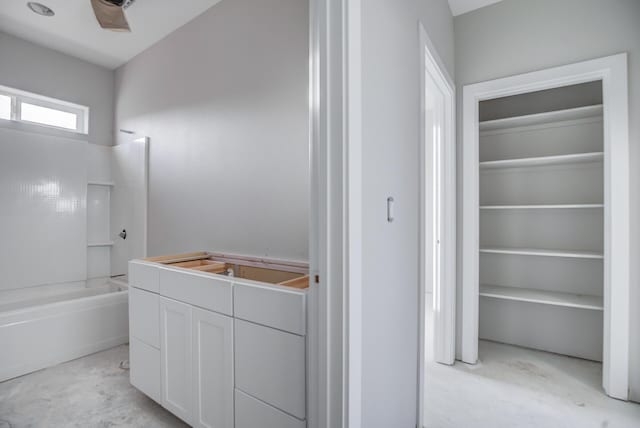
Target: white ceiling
[458,7]
[75,31]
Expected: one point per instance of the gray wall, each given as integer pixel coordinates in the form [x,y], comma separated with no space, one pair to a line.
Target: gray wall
[391,125]
[517,36]
[225,102]
[33,68]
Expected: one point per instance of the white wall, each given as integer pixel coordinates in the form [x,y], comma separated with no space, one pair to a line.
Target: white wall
[517,36]
[33,68]
[224,100]
[391,137]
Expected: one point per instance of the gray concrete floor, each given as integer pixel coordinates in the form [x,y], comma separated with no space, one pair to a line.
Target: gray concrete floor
[513,387]
[89,392]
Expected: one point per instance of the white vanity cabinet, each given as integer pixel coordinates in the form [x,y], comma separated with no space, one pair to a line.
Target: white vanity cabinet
[220,351]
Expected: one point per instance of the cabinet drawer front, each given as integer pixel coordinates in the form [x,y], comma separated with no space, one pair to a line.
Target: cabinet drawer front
[143,276]
[270,365]
[144,368]
[201,290]
[252,413]
[281,309]
[144,316]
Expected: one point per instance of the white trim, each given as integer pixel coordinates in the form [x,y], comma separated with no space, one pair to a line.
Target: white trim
[353,224]
[334,333]
[612,71]
[145,142]
[445,291]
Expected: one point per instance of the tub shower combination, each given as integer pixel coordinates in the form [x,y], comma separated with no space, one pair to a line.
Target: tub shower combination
[63,203]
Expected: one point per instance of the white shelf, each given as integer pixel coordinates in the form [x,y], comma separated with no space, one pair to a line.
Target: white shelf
[543,253]
[544,297]
[587,112]
[101,183]
[541,207]
[100,244]
[544,160]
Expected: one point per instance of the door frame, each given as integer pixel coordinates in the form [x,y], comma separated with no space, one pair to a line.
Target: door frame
[334,329]
[444,292]
[612,71]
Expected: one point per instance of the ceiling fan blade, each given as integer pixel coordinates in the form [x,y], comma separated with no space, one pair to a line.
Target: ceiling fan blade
[110,16]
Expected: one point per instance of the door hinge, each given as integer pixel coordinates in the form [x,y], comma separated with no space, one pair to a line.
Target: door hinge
[317,279]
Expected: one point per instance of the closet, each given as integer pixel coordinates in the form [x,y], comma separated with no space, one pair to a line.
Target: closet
[541,220]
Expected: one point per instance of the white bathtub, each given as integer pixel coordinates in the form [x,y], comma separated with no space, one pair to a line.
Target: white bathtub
[47,325]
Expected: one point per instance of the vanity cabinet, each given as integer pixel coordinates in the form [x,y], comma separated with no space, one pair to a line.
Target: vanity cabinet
[220,351]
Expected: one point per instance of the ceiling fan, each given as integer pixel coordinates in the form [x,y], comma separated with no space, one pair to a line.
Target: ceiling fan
[110,14]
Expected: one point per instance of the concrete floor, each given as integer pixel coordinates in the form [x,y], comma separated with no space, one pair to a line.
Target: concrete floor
[511,387]
[91,392]
[517,388]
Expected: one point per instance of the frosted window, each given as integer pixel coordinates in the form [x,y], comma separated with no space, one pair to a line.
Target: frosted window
[48,116]
[5,107]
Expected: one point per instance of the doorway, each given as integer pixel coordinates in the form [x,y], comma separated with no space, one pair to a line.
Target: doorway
[612,252]
[438,214]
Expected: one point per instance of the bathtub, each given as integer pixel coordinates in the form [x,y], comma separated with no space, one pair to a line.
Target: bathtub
[47,325]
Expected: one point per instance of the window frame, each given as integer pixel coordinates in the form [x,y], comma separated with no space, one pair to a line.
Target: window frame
[18,97]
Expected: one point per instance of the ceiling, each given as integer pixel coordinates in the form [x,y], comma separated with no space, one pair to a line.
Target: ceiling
[75,31]
[458,7]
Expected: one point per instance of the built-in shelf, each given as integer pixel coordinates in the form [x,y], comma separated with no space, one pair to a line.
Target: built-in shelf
[543,160]
[543,253]
[100,244]
[544,297]
[541,207]
[587,112]
[101,183]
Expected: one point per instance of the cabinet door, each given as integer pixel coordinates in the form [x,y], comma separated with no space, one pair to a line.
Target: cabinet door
[212,369]
[176,357]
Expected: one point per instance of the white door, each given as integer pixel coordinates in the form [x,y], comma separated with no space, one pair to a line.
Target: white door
[176,358]
[212,369]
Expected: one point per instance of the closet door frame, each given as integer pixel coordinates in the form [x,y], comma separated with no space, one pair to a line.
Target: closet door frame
[612,71]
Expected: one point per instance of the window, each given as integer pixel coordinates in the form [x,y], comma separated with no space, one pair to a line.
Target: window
[20,106]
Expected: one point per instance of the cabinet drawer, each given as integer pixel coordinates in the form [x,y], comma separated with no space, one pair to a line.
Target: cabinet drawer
[201,290]
[144,316]
[143,276]
[270,365]
[281,309]
[252,413]
[144,368]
